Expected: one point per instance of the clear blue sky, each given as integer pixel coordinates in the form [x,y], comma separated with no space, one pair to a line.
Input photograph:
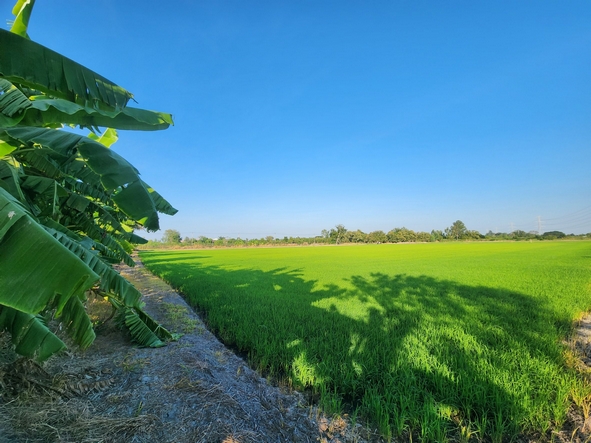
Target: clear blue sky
[294,116]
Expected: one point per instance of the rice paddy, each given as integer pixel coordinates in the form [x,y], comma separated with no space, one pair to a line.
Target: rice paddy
[441,341]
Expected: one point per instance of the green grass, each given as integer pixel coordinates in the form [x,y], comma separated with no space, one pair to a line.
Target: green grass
[451,341]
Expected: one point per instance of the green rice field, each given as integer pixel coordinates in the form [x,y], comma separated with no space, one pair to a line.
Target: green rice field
[438,342]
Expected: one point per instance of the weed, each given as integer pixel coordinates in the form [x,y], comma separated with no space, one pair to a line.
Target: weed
[220,356]
[130,363]
[139,409]
[179,317]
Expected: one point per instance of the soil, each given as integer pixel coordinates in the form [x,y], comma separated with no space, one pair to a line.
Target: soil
[192,390]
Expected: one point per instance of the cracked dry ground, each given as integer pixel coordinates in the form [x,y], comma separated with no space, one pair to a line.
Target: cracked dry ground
[192,390]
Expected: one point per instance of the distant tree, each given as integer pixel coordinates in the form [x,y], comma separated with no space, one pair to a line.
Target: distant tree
[423,237]
[437,235]
[325,233]
[401,235]
[358,236]
[473,235]
[456,231]
[393,236]
[205,240]
[552,235]
[377,237]
[522,235]
[189,241]
[171,236]
[347,237]
[337,234]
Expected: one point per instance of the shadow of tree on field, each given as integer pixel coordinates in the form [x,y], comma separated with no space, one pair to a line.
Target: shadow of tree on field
[404,349]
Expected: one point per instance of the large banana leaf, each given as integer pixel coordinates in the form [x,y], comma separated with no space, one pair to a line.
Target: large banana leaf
[40,160]
[29,335]
[109,245]
[50,111]
[49,194]
[13,104]
[77,322]
[27,286]
[123,295]
[111,281]
[161,204]
[9,180]
[42,69]
[114,171]
[18,109]
[35,269]
[140,331]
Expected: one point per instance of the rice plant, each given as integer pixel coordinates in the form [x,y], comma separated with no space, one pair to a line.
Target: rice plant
[452,341]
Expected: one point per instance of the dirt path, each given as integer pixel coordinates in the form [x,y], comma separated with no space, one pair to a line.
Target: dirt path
[192,390]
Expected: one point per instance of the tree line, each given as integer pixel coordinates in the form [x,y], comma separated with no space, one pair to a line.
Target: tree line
[457,231]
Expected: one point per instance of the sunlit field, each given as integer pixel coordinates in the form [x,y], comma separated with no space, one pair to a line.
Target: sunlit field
[444,341]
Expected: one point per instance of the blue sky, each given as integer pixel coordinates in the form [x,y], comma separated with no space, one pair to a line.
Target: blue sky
[292,117]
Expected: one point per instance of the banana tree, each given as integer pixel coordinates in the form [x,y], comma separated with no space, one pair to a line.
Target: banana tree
[69,204]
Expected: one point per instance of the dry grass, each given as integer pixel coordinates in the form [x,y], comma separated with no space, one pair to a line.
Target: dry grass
[72,421]
[39,407]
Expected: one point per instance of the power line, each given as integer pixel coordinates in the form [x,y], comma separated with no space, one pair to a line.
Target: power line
[586,210]
[573,220]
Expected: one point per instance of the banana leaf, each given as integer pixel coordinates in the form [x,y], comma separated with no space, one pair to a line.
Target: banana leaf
[161,204]
[107,138]
[42,69]
[123,295]
[22,12]
[29,335]
[140,331]
[111,281]
[13,104]
[45,111]
[115,172]
[35,269]
[77,322]
[43,185]
[9,180]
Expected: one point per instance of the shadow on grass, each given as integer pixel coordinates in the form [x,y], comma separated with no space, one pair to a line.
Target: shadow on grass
[414,354]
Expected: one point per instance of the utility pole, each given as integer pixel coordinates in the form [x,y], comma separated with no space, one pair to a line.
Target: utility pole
[539,225]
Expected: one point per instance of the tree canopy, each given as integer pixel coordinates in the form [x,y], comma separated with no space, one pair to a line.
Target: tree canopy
[171,236]
[456,231]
